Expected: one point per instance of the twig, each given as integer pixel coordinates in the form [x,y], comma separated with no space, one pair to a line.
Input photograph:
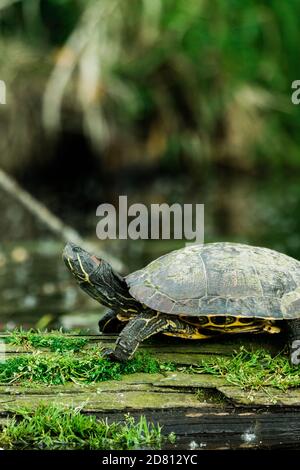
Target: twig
[56,225]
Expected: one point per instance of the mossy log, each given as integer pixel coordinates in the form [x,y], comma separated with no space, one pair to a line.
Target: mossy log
[203,411]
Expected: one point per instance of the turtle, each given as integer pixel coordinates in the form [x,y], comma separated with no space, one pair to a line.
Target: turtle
[196,292]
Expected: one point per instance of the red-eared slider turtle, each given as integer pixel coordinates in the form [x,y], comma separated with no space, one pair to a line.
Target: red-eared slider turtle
[195,292]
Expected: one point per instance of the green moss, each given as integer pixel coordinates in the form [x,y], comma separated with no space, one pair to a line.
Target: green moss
[245,369]
[55,427]
[252,370]
[58,369]
[213,396]
[55,341]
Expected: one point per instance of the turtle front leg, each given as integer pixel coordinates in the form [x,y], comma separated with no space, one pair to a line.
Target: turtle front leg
[140,328]
[293,327]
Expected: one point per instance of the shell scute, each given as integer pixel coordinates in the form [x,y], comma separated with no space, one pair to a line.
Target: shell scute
[219,279]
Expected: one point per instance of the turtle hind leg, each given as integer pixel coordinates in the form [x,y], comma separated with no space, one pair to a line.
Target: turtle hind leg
[109,323]
[290,306]
[140,328]
[293,328]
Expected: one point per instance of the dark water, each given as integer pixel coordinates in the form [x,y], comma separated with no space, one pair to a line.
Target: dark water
[36,289]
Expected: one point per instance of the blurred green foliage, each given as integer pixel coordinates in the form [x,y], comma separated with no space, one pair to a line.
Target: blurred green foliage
[203,80]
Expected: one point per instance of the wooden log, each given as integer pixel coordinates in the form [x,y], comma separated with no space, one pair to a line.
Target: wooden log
[204,411]
[222,346]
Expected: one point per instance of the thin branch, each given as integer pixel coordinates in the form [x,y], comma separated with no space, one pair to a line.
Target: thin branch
[54,224]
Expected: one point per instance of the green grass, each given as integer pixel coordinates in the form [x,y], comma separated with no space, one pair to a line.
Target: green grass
[58,369]
[56,427]
[55,341]
[245,369]
[252,370]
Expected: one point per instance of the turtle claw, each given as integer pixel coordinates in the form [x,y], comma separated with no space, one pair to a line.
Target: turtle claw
[113,356]
[109,354]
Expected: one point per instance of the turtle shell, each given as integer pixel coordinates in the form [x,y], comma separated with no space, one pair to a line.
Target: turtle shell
[220,279]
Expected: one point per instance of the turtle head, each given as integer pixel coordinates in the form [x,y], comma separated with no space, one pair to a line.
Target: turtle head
[97,278]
